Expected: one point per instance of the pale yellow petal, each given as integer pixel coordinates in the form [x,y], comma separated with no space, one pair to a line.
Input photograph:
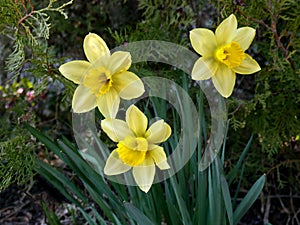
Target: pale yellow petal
[115,129]
[159,156]
[108,104]
[101,62]
[114,165]
[83,100]
[164,165]
[224,80]
[74,70]
[128,85]
[95,79]
[204,68]
[119,62]
[203,41]
[144,174]
[226,31]
[248,66]
[244,37]
[136,120]
[94,47]
[158,132]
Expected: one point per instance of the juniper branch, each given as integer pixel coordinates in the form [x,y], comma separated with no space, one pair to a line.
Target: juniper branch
[273,29]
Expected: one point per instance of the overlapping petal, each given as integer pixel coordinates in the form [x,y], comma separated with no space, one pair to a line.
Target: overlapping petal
[203,41]
[204,68]
[94,47]
[128,85]
[144,174]
[116,130]
[130,141]
[244,37]
[101,61]
[226,31]
[108,103]
[159,156]
[95,79]
[119,62]
[83,100]
[164,165]
[136,120]
[248,66]
[74,70]
[158,132]
[114,165]
[224,80]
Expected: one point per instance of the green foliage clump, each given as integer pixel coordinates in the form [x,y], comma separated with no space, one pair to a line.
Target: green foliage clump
[159,20]
[17,161]
[273,111]
[26,30]
[17,151]
[9,14]
[29,67]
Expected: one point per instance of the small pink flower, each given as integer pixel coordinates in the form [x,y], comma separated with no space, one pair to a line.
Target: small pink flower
[30,95]
[20,90]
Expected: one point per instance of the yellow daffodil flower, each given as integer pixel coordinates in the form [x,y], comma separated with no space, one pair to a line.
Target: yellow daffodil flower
[223,54]
[103,79]
[137,147]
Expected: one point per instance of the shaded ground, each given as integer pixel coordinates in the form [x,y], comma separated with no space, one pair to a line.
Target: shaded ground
[19,206]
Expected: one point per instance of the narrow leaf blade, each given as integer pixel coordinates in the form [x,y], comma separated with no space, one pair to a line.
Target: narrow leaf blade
[249,199]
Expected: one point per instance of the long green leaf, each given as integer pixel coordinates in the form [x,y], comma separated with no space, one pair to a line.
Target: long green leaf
[98,217]
[106,208]
[87,217]
[95,183]
[238,186]
[45,171]
[249,199]
[137,215]
[173,211]
[201,214]
[237,166]
[50,215]
[227,199]
[224,142]
[215,193]
[63,180]
[45,140]
[86,172]
[186,220]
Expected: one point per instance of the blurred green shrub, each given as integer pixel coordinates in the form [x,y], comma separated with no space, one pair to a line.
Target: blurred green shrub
[17,160]
[273,112]
[27,67]
[17,151]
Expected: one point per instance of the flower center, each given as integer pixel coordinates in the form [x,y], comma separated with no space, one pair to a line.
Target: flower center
[231,55]
[132,151]
[106,87]
[98,80]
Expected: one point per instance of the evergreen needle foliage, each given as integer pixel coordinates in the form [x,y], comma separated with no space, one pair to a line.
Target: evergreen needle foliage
[25,30]
[17,161]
